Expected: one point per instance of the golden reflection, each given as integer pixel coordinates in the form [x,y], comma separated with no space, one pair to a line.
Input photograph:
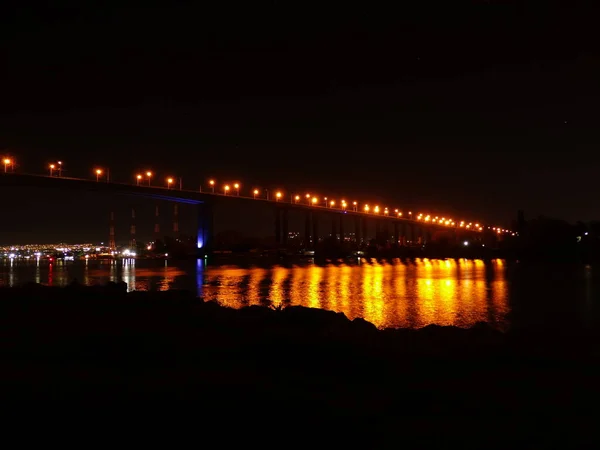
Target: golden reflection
[313,294]
[277,294]
[388,294]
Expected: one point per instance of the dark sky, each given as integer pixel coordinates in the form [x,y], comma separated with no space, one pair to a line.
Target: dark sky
[473,108]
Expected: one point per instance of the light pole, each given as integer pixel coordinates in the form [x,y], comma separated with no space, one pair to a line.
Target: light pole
[296,198]
[52,166]
[138,179]
[226,189]
[344,204]
[212,185]
[98,173]
[308,200]
[314,201]
[331,204]
[236,186]
[278,196]
[255,193]
[325,201]
[7,162]
[355,206]
[59,168]
[169,182]
[149,175]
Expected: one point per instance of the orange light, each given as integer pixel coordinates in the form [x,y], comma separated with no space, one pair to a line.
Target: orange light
[376,210]
[98,171]
[332,202]
[354,203]
[169,180]
[139,177]
[7,161]
[255,191]
[236,186]
[52,166]
[315,200]
[278,195]
[148,174]
[307,195]
[226,187]
[297,197]
[366,208]
[211,182]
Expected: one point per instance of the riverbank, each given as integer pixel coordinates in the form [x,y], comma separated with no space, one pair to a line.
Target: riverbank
[169,351]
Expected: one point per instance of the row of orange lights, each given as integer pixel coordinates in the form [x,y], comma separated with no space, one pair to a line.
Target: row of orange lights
[311,200]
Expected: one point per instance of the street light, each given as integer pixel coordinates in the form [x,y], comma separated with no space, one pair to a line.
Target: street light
[296,198]
[98,173]
[278,196]
[52,167]
[315,200]
[7,162]
[325,201]
[149,175]
[344,204]
[367,208]
[169,182]
[138,178]
[60,168]
[226,189]
[212,185]
[236,186]
[376,210]
[355,205]
[385,211]
[308,198]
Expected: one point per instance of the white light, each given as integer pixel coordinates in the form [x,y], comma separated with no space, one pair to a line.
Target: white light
[126,252]
[132,253]
[11,256]
[586,233]
[466,243]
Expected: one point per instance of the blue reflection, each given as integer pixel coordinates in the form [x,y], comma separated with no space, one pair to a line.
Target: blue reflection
[200,277]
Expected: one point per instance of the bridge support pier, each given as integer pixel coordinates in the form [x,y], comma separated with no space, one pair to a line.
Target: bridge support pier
[204,238]
[357,235]
[284,214]
[365,237]
[341,228]
[315,227]
[333,228]
[277,226]
[307,229]
[396,233]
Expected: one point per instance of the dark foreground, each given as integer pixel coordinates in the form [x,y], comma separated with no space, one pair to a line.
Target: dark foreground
[164,358]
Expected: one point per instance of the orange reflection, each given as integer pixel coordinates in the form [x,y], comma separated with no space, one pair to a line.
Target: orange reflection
[398,294]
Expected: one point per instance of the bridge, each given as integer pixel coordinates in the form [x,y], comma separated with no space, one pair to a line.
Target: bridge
[417,228]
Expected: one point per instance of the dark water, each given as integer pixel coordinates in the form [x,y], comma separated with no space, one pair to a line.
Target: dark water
[399,293]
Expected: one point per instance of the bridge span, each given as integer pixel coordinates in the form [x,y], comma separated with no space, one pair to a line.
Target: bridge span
[340,216]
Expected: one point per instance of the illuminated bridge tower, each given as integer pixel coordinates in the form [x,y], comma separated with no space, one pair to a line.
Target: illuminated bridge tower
[132,242]
[176,221]
[111,232]
[156,226]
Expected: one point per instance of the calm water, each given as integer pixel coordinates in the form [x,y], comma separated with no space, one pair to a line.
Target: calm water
[397,293]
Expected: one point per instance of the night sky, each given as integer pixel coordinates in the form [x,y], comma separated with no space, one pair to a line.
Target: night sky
[475,109]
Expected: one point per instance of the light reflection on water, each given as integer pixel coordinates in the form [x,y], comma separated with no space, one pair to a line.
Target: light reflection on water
[411,293]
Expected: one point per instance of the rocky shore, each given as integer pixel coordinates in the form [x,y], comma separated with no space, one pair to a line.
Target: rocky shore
[170,351]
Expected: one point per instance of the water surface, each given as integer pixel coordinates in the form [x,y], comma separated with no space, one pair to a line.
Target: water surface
[398,293]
